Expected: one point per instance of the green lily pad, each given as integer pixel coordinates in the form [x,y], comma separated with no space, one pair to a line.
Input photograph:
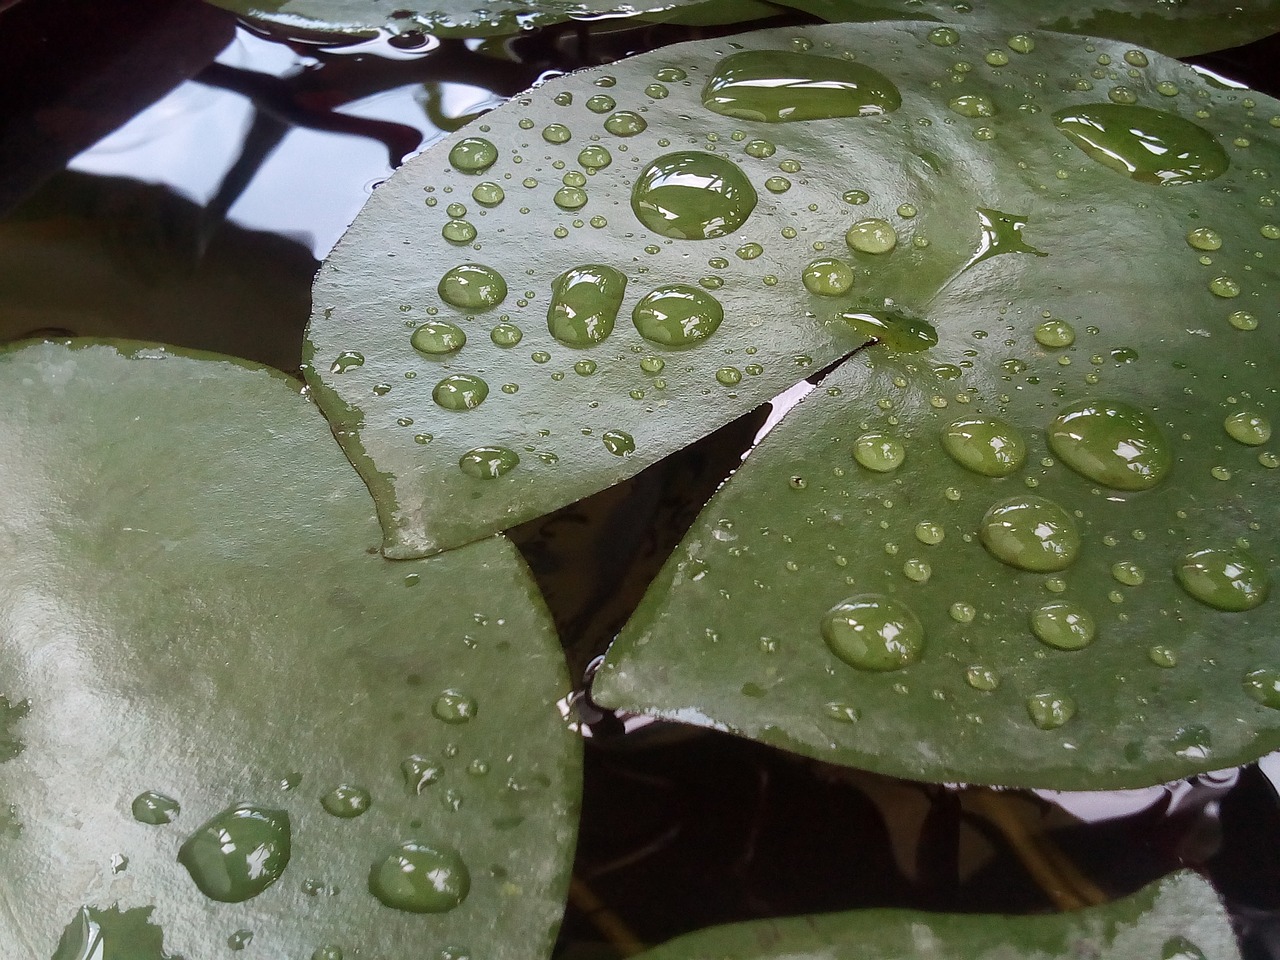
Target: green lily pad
[239,723]
[1177,29]
[1178,918]
[443,18]
[1040,552]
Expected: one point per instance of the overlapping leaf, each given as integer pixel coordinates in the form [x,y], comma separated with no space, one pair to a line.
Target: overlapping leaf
[1179,916]
[1177,29]
[198,630]
[1025,507]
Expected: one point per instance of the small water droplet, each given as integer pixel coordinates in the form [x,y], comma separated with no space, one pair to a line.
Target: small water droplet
[873,632]
[473,155]
[595,157]
[618,442]
[1055,333]
[981,678]
[775,86]
[625,123]
[1049,710]
[1225,579]
[454,706]
[1031,533]
[488,463]
[972,105]
[1248,427]
[1224,287]
[930,533]
[1128,573]
[472,286]
[1111,443]
[1204,238]
[346,361]
[944,37]
[419,772]
[556,133]
[1063,625]
[438,337]
[871,235]
[962,612]
[327,952]
[677,315]
[1180,948]
[506,335]
[879,452]
[986,445]
[154,808]
[418,877]
[827,277]
[1162,656]
[488,194]
[1264,687]
[240,939]
[237,854]
[460,391]
[346,801]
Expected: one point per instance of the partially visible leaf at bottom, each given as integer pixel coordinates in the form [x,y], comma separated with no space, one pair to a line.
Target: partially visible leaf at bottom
[1177,917]
[193,608]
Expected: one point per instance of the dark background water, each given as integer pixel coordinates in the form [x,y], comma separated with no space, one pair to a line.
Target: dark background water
[169,174]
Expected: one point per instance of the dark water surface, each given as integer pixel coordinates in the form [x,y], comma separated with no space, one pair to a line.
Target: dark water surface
[169,174]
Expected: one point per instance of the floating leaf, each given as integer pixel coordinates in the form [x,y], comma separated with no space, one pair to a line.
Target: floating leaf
[1035,554]
[239,719]
[1176,28]
[456,18]
[1178,918]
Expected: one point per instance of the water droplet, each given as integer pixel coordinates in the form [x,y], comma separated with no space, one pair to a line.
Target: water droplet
[1031,533]
[625,123]
[458,231]
[944,37]
[930,533]
[962,612]
[677,315]
[570,198]
[237,854]
[916,570]
[1264,687]
[460,391]
[879,452]
[346,361]
[1192,743]
[729,376]
[1243,320]
[601,103]
[900,332]
[1021,43]
[1128,573]
[473,286]
[487,463]
[556,133]
[827,277]
[656,91]
[1111,443]
[506,335]
[996,58]
[652,364]
[595,157]
[437,337]
[1162,656]
[871,235]
[777,184]
[1063,625]
[1225,579]
[154,808]
[1248,427]
[985,445]
[972,105]
[327,952]
[760,149]
[420,878]
[1151,146]
[670,75]
[346,801]
[419,773]
[1224,287]
[240,939]
[775,86]
[873,632]
[1049,710]
[454,706]
[473,155]
[981,678]
[692,195]
[1055,333]
[488,194]
[1180,948]
[618,442]
[1204,238]
[584,304]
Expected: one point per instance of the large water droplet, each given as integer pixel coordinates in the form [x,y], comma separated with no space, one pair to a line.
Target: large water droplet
[595,157]
[473,155]
[1050,709]
[584,304]
[488,463]
[346,801]
[774,86]
[873,632]
[871,235]
[438,337]
[1248,427]
[1225,579]
[985,445]
[238,853]
[625,123]
[677,315]
[1111,443]
[1063,625]
[473,286]
[420,878]
[1264,687]
[691,195]
[155,808]
[827,277]
[1031,533]
[460,391]
[972,105]
[879,452]
[1151,146]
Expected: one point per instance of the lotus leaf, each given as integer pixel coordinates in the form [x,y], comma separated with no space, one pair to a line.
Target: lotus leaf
[232,720]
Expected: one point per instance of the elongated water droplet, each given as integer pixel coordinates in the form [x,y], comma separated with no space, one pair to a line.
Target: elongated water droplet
[1128,573]
[238,853]
[155,808]
[871,235]
[1063,625]
[584,304]
[1180,948]
[1049,709]
[1151,146]
[827,277]
[972,105]
[879,452]
[692,195]
[898,332]
[418,877]
[473,286]
[488,463]
[944,36]
[346,801]
[1248,427]
[1031,533]
[873,632]
[1225,579]
[460,391]
[1111,443]
[438,337]
[677,315]
[1204,238]
[985,445]
[473,155]
[1001,234]
[618,442]
[774,86]
[1264,687]
[347,360]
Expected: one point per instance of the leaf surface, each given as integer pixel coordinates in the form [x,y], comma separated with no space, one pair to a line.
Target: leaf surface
[1179,916]
[197,624]
[1041,552]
